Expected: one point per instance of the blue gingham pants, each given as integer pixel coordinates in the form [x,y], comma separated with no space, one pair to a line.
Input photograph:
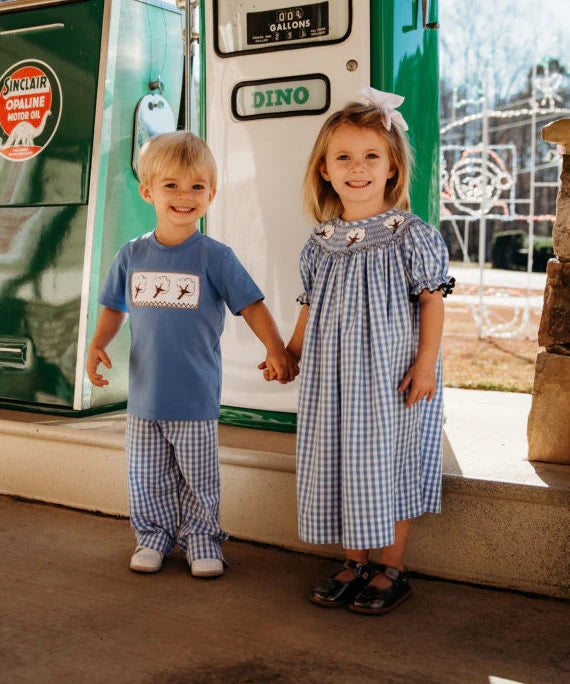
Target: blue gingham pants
[174,485]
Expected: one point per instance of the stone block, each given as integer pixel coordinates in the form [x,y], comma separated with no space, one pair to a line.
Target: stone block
[561,229]
[557,132]
[548,428]
[555,321]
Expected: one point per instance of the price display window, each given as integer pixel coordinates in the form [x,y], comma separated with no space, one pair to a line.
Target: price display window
[242,27]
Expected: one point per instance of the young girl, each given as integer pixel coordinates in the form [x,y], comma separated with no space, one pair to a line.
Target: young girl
[370,408]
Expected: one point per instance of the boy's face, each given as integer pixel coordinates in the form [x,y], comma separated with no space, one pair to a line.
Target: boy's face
[179,199]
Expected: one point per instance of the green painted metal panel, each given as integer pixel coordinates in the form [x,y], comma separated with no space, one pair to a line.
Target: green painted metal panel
[57,46]
[404,59]
[41,258]
[277,421]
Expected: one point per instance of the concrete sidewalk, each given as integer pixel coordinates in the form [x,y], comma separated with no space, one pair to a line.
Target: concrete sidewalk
[73,613]
[497,277]
[501,288]
[504,520]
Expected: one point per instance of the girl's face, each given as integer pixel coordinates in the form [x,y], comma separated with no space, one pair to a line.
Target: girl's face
[357,164]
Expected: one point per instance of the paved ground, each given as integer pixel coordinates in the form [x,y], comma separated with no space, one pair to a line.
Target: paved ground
[73,612]
[511,284]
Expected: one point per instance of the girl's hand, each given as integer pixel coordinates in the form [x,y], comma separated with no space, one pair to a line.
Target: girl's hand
[95,356]
[420,380]
[292,364]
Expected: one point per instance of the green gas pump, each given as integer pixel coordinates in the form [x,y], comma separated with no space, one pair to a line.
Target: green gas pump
[272,72]
[82,85]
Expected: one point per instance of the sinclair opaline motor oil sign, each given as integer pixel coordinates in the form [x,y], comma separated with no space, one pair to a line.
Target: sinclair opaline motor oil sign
[30,109]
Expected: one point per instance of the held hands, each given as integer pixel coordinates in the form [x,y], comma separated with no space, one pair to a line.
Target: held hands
[95,356]
[281,365]
[420,381]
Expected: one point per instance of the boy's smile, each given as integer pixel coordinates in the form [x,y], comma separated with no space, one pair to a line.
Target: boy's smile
[357,164]
[179,199]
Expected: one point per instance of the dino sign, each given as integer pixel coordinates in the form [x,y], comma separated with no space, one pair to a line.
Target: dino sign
[30,109]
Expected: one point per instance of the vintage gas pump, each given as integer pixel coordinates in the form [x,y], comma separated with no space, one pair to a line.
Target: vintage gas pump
[271,73]
[82,85]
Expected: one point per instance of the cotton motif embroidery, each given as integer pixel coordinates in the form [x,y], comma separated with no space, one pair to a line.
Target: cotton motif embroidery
[355,235]
[161,286]
[326,232]
[167,290]
[186,286]
[139,284]
[394,222]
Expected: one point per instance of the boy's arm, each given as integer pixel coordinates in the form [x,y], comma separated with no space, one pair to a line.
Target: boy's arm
[421,375]
[109,323]
[279,364]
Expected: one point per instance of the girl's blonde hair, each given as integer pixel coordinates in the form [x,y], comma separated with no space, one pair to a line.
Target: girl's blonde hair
[320,199]
[178,152]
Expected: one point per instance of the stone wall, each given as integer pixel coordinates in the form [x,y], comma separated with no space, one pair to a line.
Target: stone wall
[549,419]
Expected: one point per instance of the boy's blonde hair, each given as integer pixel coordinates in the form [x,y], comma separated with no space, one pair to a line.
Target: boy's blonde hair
[178,152]
[320,199]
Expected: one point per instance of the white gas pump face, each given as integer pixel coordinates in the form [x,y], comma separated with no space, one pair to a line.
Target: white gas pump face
[274,73]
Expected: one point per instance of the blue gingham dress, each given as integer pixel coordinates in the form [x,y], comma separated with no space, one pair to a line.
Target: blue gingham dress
[363,460]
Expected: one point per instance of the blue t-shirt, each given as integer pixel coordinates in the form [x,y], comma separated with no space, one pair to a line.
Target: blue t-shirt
[175,297]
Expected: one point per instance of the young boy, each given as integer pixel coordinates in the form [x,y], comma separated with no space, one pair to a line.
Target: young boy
[174,283]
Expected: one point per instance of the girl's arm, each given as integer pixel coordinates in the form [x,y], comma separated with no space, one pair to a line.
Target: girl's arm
[278,364]
[421,375]
[108,325]
[295,346]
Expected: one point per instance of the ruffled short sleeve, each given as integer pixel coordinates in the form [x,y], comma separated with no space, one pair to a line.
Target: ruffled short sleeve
[427,260]
[307,268]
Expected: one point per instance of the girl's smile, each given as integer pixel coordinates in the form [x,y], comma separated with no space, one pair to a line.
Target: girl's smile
[357,164]
[358,184]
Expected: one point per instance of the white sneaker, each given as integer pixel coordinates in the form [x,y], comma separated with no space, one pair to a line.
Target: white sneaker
[146,560]
[207,567]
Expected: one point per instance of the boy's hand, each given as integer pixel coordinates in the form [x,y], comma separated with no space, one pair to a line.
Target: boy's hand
[420,380]
[280,365]
[96,356]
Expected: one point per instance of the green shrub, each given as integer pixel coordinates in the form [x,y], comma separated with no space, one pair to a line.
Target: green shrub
[506,247]
[510,251]
[542,252]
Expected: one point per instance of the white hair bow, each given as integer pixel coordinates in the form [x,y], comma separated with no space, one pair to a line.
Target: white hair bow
[386,103]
